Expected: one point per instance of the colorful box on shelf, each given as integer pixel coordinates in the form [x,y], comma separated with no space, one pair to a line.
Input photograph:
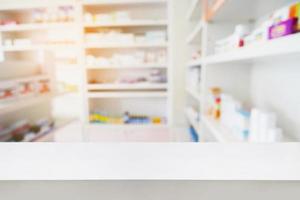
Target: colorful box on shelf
[43,86]
[283,28]
[295,13]
[26,89]
[14,89]
[285,21]
[280,23]
[8,91]
[98,117]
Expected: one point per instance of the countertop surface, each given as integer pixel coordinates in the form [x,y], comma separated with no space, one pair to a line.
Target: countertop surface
[186,161]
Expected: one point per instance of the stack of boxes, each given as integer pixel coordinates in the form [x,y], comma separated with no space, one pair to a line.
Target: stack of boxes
[280,23]
[12,90]
[285,21]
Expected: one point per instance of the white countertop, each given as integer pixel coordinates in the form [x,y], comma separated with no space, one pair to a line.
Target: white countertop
[96,161]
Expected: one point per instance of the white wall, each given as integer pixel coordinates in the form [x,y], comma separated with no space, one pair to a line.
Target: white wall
[150,190]
[275,87]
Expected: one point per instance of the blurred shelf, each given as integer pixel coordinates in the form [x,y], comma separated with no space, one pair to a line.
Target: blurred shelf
[141,66]
[273,48]
[127,95]
[25,5]
[25,79]
[138,86]
[220,132]
[192,119]
[195,35]
[35,47]
[196,95]
[68,67]
[22,48]
[121,2]
[136,23]
[122,126]
[194,9]
[50,135]
[126,46]
[21,103]
[63,94]
[223,135]
[36,26]
[195,63]
[116,90]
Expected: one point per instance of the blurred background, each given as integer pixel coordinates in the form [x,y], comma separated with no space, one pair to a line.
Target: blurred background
[149,71]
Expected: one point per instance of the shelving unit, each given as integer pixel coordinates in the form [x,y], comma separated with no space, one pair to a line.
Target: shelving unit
[261,75]
[141,22]
[115,96]
[24,61]
[194,42]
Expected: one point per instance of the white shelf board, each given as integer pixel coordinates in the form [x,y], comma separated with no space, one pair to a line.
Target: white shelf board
[63,94]
[138,86]
[136,23]
[36,26]
[193,9]
[126,46]
[195,34]
[195,63]
[25,79]
[221,133]
[193,122]
[35,47]
[25,5]
[121,2]
[141,66]
[277,47]
[127,95]
[124,126]
[22,103]
[22,48]
[196,95]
